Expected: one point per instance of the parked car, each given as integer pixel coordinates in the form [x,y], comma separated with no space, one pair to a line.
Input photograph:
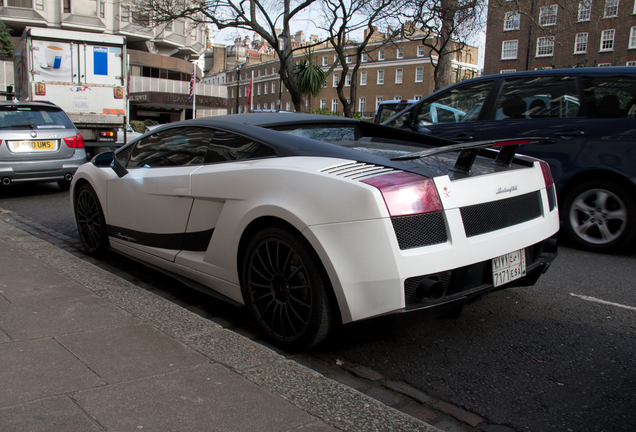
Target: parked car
[387,109]
[38,142]
[313,221]
[588,112]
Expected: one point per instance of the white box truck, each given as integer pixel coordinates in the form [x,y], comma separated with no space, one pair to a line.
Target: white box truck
[85,74]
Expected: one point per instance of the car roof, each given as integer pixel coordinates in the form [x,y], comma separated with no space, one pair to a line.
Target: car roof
[614,70]
[29,103]
[269,119]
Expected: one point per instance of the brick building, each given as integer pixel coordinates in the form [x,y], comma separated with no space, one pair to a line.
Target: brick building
[536,34]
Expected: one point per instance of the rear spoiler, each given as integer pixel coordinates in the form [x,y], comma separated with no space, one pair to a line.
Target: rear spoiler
[469,150]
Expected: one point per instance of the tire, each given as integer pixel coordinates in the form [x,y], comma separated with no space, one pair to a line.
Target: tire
[600,216]
[90,221]
[286,289]
[64,185]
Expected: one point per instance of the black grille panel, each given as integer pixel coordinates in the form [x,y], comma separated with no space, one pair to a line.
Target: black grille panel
[420,230]
[483,218]
[551,197]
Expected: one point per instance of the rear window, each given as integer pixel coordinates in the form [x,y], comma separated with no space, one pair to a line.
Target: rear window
[323,133]
[610,96]
[34,117]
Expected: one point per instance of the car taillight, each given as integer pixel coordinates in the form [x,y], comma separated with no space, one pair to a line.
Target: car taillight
[547,173]
[107,134]
[75,142]
[406,193]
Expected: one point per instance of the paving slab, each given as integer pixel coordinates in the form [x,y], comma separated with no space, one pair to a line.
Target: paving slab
[46,415]
[130,352]
[207,397]
[60,316]
[36,369]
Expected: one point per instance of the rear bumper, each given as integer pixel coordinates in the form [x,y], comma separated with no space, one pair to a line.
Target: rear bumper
[43,170]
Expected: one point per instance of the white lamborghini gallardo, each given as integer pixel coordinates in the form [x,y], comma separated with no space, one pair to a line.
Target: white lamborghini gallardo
[313,221]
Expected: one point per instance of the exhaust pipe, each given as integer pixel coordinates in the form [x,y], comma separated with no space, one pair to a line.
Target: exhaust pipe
[429,289]
[68,177]
[6,181]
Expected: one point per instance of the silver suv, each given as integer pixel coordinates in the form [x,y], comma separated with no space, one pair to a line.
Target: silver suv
[38,142]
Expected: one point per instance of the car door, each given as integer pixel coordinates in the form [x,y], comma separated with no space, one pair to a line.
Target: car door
[148,208]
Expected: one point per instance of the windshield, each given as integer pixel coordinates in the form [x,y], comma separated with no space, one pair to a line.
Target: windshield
[33,117]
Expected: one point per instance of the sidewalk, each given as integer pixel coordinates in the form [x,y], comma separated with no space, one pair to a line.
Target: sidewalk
[84,350]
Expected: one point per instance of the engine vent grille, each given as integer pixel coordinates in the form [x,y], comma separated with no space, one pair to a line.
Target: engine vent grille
[357,170]
[484,218]
[420,230]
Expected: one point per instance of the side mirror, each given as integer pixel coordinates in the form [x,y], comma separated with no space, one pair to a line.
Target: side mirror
[108,159]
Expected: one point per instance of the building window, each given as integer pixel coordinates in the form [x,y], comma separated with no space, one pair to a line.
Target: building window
[585,10]
[348,79]
[397,98]
[125,13]
[604,64]
[266,88]
[632,37]
[101,9]
[287,105]
[419,74]
[378,99]
[348,59]
[274,87]
[509,49]
[548,15]
[380,80]
[421,49]
[323,103]
[362,104]
[607,40]
[258,106]
[580,43]
[325,60]
[232,92]
[417,97]
[511,21]
[630,63]
[398,75]
[381,55]
[364,58]
[503,71]
[39,5]
[334,105]
[545,46]
[611,8]
[336,79]
[400,53]
[363,78]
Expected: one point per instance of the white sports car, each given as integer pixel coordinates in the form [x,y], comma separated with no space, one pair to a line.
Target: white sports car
[313,221]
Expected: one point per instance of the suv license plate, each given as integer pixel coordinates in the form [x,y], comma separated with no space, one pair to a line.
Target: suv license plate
[509,267]
[26,146]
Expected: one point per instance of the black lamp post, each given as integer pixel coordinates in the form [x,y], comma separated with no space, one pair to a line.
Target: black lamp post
[282,44]
[238,78]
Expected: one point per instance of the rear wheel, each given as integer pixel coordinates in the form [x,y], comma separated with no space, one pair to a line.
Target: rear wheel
[286,289]
[90,221]
[600,216]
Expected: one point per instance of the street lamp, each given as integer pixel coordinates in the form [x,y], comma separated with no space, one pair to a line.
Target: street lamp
[282,44]
[238,78]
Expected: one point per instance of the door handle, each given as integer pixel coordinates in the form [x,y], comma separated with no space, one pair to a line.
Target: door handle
[571,133]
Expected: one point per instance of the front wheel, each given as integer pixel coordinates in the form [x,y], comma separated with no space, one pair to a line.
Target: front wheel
[600,216]
[286,289]
[90,221]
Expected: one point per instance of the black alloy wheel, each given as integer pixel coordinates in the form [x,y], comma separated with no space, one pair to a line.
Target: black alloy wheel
[600,216]
[286,289]
[90,221]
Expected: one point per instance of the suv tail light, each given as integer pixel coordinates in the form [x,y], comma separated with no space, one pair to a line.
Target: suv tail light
[406,193]
[75,142]
[547,173]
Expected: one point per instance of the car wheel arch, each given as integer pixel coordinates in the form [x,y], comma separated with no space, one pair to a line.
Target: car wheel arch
[597,174]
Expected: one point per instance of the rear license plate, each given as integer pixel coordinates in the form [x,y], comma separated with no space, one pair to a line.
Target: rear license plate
[26,146]
[509,267]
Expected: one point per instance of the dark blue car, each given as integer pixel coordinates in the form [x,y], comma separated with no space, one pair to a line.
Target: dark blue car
[590,114]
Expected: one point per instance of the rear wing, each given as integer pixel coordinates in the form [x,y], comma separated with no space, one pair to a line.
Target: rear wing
[468,151]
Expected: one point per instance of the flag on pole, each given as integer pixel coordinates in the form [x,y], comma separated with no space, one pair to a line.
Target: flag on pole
[191,92]
[248,93]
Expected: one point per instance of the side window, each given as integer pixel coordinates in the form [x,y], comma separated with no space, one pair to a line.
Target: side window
[461,104]
[172,147]
[538,98]
[225,146]
[610,96]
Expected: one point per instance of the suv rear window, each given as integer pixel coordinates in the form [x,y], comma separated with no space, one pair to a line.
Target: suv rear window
[610,96]
[33,117]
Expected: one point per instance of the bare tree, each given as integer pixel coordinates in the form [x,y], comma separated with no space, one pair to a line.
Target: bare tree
[260,16]
[444,27]
[343,18]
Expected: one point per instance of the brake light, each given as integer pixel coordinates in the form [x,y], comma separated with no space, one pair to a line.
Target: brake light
[510,142]
[75,142]
[107,134]
[547,173]
[406,193]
